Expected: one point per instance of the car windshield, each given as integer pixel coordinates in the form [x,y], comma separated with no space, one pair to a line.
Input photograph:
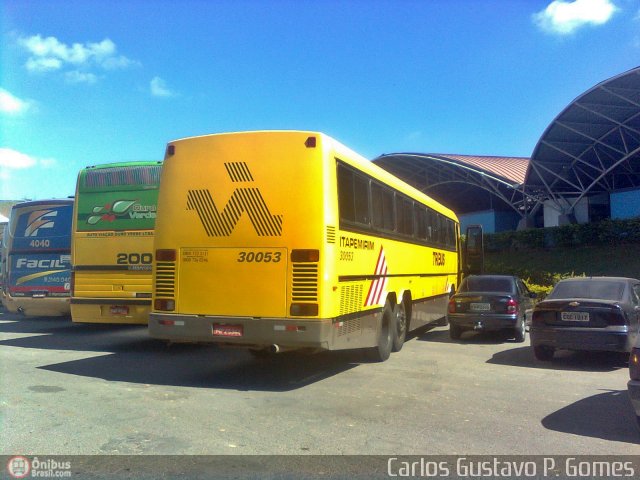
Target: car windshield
[588,289]
[487,284]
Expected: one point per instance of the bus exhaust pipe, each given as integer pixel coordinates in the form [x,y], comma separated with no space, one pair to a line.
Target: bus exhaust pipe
[274,348]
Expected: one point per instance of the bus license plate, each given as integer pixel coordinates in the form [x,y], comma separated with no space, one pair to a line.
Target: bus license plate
[119,310]
[227,330]
[574,316]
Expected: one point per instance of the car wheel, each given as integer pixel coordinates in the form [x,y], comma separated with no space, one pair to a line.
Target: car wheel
[520,331]
[399,327]
[454,331]
[543,353]
[382,350]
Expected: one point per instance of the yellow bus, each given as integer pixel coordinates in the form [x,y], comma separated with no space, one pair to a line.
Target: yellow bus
[37,260]
[112,244]
[279,240]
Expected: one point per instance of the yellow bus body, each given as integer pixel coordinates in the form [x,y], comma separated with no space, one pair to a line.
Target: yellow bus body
[112,258]
[251,250]
[106,296]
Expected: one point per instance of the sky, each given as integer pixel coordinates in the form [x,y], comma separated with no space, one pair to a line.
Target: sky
[92,82]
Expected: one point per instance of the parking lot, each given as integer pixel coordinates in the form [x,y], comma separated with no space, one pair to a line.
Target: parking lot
[70,389]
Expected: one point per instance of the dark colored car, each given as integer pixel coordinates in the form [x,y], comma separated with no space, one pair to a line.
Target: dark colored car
[587,313]
[490,302]
[634,383]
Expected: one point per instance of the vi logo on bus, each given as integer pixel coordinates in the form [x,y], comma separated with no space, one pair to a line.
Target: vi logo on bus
[39,219]
[243,199]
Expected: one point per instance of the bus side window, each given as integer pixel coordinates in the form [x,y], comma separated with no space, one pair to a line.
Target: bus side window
[377,206]
[346,201]
[421,220]
[407,217]
[361,197]
[430,225]
[382,205]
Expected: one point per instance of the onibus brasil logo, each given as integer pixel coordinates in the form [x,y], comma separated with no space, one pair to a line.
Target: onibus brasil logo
[21,467]
[121,210]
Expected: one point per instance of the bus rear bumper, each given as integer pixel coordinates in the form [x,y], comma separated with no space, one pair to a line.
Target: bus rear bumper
[38,307]
[243,331]
[108,310]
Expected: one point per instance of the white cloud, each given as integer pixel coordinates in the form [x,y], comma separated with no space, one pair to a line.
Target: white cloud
[11,104]
[563,17]
[76,76]
[12,159]
[50,54]
[159,88]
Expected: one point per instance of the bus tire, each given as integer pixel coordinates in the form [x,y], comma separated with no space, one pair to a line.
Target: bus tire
[399,327]
[382,350]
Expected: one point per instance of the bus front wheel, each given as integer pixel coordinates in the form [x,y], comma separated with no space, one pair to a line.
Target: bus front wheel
[382,350]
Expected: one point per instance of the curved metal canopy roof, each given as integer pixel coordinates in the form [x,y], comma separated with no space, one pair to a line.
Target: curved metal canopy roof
[457,180]
[593,145]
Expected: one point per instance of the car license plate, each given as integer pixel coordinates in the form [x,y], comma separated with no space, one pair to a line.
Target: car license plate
[480,307]
[227,330]
[119,310]
[574,316]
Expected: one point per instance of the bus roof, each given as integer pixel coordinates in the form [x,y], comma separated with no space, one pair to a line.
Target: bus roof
[362,162]
[123,164]
[35,203]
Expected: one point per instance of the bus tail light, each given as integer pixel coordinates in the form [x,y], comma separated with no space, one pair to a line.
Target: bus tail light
[304,310]
[166,255]
[298,256]
[164,305]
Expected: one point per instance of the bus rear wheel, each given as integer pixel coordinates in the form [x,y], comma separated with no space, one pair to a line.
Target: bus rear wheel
[399,327]
[382,351]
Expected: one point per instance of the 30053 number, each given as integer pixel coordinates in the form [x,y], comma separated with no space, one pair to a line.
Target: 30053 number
[134,258]
[259,257]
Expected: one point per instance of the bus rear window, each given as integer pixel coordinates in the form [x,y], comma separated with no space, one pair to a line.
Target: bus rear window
[42,226]
[140,177]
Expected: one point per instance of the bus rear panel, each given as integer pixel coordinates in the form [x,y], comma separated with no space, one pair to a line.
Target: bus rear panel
[38,258]
[113,233]
[251,250]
